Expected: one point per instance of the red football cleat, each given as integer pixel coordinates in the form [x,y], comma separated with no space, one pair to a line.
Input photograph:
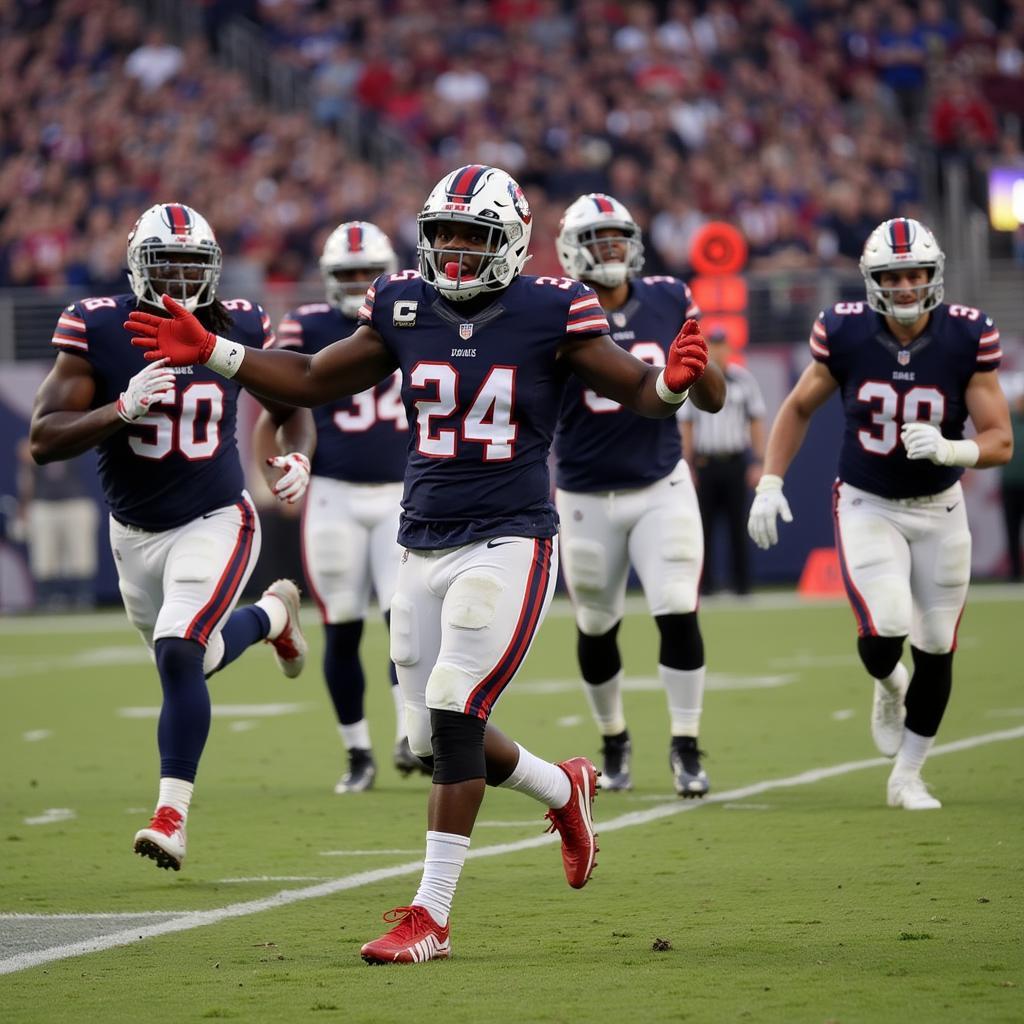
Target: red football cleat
[163,840]
[575,822]
[416,938]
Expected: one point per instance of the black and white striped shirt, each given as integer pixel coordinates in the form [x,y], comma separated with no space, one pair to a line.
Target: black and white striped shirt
[727,432]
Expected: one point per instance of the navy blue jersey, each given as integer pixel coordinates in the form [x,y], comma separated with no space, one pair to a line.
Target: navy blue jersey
[482,395]
[599,445]
[180,460]
[360,438]
[884,385]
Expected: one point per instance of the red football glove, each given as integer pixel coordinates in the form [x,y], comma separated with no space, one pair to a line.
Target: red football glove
[687,358]
[180,339]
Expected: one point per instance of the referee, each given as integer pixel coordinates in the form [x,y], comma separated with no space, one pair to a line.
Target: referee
[725,451]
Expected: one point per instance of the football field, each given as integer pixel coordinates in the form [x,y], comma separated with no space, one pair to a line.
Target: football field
[791,894]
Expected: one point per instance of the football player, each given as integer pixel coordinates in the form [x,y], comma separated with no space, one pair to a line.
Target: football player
[484,352]
[625,496]
[910,369]
[350,518]
[184,532]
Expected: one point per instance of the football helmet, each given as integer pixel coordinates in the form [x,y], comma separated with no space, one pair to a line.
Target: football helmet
[896,245]
[489,199]
[577,241]
[172,251]
[362,252]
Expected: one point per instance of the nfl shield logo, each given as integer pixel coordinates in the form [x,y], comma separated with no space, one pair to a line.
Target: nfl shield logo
[619,319]
[465,331]
[903,357]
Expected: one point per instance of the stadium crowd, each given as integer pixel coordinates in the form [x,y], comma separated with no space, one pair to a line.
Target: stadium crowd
[796,121]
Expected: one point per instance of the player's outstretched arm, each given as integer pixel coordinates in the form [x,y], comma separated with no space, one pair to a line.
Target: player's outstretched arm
[344,368]
[614,373]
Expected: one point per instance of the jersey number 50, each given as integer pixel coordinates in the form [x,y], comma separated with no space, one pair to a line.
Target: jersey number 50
[886,414]
[170,432]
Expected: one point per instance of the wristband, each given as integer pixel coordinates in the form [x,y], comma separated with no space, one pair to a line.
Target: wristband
[768,482]
[964,453]
[666,394]
[226,357]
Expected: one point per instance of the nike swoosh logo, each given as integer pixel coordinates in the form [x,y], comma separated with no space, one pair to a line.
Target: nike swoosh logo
[674,483]
[949,508]
[498,543]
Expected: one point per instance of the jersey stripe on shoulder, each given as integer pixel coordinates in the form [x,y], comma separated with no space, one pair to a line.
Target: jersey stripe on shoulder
[366,309]
[990,349]
[70,333]
[586,316]
[819,340]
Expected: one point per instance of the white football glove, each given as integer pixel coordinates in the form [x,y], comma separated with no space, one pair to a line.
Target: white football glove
[769,503]
[924,441]
[294,476]
[146,388]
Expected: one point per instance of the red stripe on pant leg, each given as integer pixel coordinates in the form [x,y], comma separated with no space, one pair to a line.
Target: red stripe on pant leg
[865,625]
[487,691]
[523,611]
[199,627]
[217,607]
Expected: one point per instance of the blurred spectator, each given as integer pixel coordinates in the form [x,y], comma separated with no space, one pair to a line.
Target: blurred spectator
[961,119]
[154,63]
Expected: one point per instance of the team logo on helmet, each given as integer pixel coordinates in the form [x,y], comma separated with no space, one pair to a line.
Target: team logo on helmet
[519,201]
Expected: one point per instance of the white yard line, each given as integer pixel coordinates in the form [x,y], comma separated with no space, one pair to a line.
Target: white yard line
[190,919]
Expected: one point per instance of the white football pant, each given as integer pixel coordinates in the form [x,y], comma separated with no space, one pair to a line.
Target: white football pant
[349,536]
[906,563]
[185,582]
[656,528]
[463,620]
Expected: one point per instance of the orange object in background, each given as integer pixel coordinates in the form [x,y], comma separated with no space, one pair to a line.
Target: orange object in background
[718,248]
[821,576]
[718,254]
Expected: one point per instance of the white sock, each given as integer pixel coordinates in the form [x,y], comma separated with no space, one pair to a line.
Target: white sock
[276,612]
[684,689]
[542,780]
[442,865]
[897,680]
[913,752]
[396,694]
[605,700]
[356,736]
[176,793]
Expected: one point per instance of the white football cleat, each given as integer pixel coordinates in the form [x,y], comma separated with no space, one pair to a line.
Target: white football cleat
[289,645]
[887,714]
[163,840]
[908,791]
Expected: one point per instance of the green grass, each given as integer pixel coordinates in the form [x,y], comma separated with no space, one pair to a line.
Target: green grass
[802,902]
